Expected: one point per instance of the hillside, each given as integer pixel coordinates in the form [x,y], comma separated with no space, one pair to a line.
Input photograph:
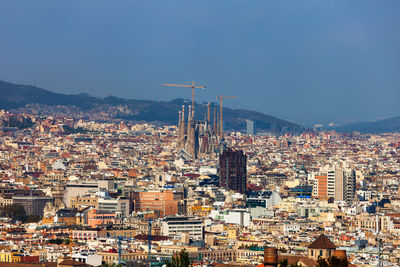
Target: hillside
[13,96]
[379,126]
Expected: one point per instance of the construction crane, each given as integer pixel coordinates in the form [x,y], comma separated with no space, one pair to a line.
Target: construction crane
[70,243]
[220,98]
[149,248]
[193,85]
[119,238]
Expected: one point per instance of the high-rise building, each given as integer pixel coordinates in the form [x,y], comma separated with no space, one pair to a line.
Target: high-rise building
[320,186]
[335,182]
[250,127]
[349,185]
[233,173]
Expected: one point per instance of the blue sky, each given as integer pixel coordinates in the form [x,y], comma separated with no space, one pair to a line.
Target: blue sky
[307,61]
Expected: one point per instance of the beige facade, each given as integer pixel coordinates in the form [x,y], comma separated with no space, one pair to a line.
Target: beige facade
[112,257]
[83,202]
[323,253]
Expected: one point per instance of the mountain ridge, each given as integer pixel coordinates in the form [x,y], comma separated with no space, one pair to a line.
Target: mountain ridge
[379,126]
[15,96]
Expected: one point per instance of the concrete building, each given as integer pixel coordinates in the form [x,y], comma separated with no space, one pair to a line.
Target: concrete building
[335,182]
[111,205]
[33,205]
[163,203]
[263,199]
[74,189]
[175,226]
[320,186]
[233,170]
[235,216]
[250,127]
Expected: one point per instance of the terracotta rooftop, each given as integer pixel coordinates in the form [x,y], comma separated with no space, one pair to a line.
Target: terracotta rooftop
[69,262]
[322,242]
[292,259]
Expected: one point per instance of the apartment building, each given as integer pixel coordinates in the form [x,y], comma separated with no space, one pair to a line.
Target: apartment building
[336,182]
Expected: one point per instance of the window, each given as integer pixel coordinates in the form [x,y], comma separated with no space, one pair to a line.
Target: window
[320,253]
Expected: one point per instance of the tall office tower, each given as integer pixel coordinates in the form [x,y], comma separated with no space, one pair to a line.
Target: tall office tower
[250,127]
[233,173]
[336,182]
[350,185]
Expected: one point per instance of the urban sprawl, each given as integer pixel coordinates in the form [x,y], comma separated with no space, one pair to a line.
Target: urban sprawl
[79,192]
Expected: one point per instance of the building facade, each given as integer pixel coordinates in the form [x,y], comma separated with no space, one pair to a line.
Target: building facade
[250,127]
[163,203]
[33,205]
[233,170]
[336,182]
[175,226]
[111,205]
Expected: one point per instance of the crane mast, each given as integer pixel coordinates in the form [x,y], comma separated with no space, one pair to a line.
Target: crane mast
[149,244]
[220,98]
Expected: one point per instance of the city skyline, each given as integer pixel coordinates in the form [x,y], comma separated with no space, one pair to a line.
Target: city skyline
[199,133]
[306,62]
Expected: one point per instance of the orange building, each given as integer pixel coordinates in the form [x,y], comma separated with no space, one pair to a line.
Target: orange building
[162,203]
[97,217]
[320,189]
[202,211]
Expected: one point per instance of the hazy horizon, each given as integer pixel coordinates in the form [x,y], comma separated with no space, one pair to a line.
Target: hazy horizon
[306,62]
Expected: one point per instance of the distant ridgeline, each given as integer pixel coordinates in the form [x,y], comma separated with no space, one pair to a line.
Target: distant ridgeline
[34,100]
[379,126]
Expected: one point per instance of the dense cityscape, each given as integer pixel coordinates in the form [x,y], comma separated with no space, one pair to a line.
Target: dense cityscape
[81,192]
[226,133]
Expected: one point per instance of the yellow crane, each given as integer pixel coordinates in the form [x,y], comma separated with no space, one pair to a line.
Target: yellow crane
[220,98]
[193,85]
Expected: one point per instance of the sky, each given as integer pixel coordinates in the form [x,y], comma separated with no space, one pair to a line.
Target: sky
[309,61]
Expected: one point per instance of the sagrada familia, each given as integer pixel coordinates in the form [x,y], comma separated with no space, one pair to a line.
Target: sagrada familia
[197,139]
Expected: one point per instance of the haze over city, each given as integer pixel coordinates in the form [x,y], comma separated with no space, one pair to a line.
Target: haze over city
[304,61]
